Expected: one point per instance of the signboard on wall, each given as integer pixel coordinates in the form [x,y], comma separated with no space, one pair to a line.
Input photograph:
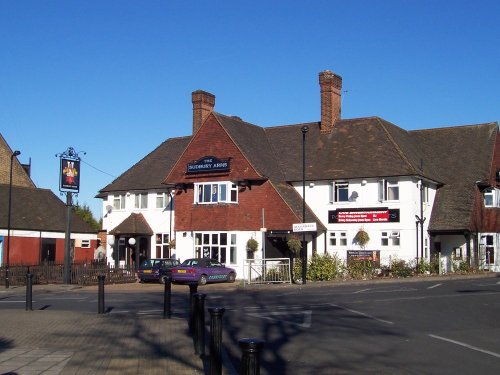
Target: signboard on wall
[208,164]
[364,255]
[364,215]
[305,227]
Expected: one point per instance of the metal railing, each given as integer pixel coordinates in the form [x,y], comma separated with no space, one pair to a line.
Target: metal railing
[265,271]
[81,274]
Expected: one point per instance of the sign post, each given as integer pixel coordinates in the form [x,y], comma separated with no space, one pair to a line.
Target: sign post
[69,183]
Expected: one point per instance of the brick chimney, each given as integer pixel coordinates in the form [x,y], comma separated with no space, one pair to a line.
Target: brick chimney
[331,86]
[203,104]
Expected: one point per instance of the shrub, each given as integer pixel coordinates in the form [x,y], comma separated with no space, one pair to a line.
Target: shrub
[400,268]
[423,266]
[360,269]
[362,238]
[434,264]
[252,245]
[323,267]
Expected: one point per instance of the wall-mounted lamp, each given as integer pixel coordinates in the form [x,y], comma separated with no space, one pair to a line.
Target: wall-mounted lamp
[363,182]
[311,184]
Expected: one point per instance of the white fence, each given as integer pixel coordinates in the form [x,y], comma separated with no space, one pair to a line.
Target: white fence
[264,271]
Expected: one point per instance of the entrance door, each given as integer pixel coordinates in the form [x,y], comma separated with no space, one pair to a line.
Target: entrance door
[48,249]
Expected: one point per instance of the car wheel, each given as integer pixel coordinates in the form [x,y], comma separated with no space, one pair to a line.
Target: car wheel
[203,280]
[231,277]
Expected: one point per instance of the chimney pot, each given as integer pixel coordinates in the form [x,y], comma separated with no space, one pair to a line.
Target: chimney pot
[331,86]
[203,105]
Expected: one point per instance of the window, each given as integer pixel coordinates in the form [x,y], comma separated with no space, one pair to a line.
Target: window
[388,190]
[339,191]
[161,200]
[384,239]
[119,202]
[216,192]
[425,194]
[162,246]
[338,239]
[141,201]
[489,197]
[489,248]
[391,238]
[215,246]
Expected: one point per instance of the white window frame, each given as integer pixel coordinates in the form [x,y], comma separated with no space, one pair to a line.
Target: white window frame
[336,187]
[338,239]
[489,193]
[217,245]
[119,202]
[161,200]
[141,200]
[215,192]
[386,188]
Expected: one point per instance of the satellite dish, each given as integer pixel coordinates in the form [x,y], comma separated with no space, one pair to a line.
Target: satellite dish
[109,209]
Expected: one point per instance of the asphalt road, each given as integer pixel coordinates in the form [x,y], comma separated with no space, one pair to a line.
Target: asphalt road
[437,326]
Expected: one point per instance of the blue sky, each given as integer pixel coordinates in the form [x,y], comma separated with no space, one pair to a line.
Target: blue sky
[114,78]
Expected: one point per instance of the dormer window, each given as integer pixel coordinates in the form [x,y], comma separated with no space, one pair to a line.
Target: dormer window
[216,192]
[388,190]
[489,197]
[339,191]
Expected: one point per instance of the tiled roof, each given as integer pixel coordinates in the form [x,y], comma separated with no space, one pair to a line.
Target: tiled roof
[135,224]
[453,157]
[37,210]
[462,155]
[149,172]
[19,175]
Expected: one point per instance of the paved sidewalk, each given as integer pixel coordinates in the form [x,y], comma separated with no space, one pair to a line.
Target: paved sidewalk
[62,342]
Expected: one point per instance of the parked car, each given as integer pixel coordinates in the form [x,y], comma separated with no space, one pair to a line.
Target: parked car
[202,270]
[156,269]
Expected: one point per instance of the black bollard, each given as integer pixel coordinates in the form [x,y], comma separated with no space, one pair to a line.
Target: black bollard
[101,294]
[193,289]
[250,359]
[29,291]
[167,311]
[216,340]
[199,322]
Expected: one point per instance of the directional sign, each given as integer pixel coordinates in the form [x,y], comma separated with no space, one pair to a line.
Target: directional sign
[304,227]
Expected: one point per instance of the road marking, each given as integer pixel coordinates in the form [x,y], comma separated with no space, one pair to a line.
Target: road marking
[13,301]
[466,345]
[361,291]
[281,317]
[434,286]
[362,314]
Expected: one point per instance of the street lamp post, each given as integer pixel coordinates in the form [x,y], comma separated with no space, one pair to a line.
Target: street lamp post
[304,129]
[7,255]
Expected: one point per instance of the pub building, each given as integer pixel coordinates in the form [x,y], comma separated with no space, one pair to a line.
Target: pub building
[415,193]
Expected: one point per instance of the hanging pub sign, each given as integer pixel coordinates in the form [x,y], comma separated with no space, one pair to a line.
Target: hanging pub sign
[364,215]
[208,164]
[69,175]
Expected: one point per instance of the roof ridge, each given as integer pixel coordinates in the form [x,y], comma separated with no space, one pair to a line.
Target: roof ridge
[396,145]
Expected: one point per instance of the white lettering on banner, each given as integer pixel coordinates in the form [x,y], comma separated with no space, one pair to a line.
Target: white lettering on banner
[304,227]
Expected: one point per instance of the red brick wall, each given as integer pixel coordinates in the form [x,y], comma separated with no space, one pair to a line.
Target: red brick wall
[212,140]
[246,215]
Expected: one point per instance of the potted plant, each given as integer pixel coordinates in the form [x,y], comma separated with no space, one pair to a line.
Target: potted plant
[252,247]
[294,244]
[361,238]
[171,244]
